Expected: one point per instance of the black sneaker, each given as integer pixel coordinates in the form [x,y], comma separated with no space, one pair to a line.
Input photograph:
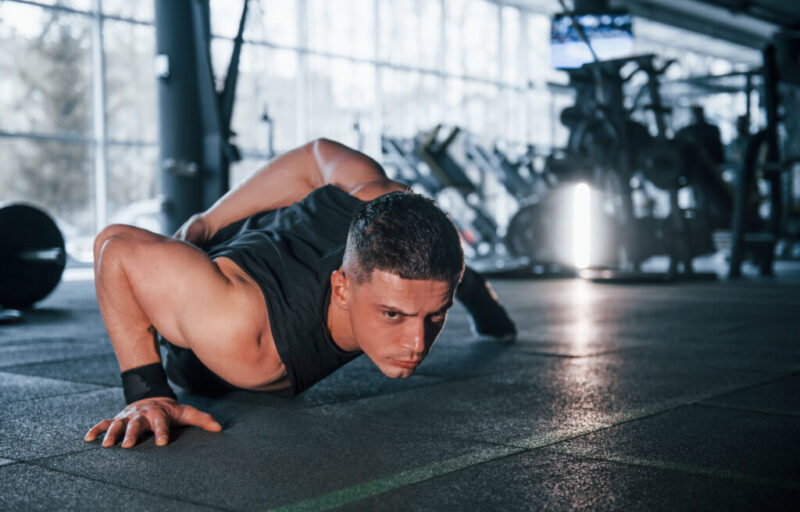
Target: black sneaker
[489,319]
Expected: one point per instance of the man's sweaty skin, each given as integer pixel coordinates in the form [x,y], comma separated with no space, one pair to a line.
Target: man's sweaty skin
[146,283]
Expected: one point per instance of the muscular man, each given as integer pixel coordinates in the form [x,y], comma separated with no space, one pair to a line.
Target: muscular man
[315,259]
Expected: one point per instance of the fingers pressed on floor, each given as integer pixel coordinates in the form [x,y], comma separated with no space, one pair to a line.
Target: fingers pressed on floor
[97,430]
[161,431]
[132,433]
[117,426]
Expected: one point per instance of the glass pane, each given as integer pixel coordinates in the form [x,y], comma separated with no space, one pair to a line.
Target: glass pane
[483,116]
[275,22]
[55,176]
[474,106]
[538,51]
[472,38]
[454,102]
[514,117]
[46,70]
[341,28]
[267,84]
[411,102]
[513,71]
[220,59]
[411,32]
[225,16]
[133,186]
[130,85]
[341,94]
[142,11]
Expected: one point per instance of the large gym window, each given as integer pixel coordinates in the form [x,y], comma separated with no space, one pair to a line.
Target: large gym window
[78,102]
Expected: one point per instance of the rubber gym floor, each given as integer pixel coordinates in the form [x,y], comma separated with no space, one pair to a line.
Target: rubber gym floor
[680,396]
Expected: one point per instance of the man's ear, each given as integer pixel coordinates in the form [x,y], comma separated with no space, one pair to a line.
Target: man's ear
[340,289]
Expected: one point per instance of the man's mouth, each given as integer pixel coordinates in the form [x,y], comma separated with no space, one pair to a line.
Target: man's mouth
[407,364]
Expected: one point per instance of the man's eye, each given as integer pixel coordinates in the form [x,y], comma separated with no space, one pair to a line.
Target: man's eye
[391,314]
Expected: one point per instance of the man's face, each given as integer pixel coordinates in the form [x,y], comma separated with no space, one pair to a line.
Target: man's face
[395,321]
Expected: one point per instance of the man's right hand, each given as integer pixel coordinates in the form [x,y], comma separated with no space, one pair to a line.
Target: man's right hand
[197,230]
[155,415]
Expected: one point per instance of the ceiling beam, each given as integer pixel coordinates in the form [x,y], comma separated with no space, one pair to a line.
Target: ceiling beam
[713,21]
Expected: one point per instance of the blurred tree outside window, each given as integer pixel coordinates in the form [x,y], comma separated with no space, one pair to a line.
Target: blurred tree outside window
[47,70]
[46,73]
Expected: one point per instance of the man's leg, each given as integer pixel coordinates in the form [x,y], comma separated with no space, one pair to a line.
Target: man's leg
[490,321]
[147,282]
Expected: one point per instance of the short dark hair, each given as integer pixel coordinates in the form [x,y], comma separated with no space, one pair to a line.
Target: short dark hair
[405,234]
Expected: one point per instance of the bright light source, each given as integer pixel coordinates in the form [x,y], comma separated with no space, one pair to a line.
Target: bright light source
[580,225]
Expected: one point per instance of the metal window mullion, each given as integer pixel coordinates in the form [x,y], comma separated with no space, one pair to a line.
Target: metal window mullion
[99,118]
[523,46]
[301,81]
[501,65]
[443,59]
[377,108]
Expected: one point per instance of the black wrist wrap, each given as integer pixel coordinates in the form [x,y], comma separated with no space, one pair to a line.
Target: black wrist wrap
[145,382]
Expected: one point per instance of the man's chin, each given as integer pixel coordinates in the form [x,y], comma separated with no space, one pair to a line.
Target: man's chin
[393,372]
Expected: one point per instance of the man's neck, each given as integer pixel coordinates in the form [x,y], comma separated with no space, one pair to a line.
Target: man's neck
[339,326]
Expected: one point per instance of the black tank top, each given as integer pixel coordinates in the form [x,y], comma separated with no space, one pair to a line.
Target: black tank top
[290,253]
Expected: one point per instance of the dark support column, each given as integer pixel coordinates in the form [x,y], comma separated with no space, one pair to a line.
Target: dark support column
[179,119]
[194,119]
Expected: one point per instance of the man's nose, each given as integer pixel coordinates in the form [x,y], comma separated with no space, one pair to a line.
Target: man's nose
[415,337]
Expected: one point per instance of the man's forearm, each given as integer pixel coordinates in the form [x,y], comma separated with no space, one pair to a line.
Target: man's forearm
[291,177]
[283,181]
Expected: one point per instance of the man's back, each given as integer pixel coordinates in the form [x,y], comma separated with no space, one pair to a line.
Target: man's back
[290,253]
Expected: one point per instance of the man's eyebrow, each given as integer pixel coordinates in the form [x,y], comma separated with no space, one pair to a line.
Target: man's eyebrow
[395,309]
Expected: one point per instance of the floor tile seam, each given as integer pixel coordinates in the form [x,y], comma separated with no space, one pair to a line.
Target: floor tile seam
[59,379]
[316,407]
[60,360]
[88,391]
[35,460]
[434,435]
[553,355]
[45,397]
[396,481]
[757,410]
[680,467]
[126,487]
[362,491]
[33,342]
[54,362]
[530,443]
[776,371]
[775,377]
[620,419]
